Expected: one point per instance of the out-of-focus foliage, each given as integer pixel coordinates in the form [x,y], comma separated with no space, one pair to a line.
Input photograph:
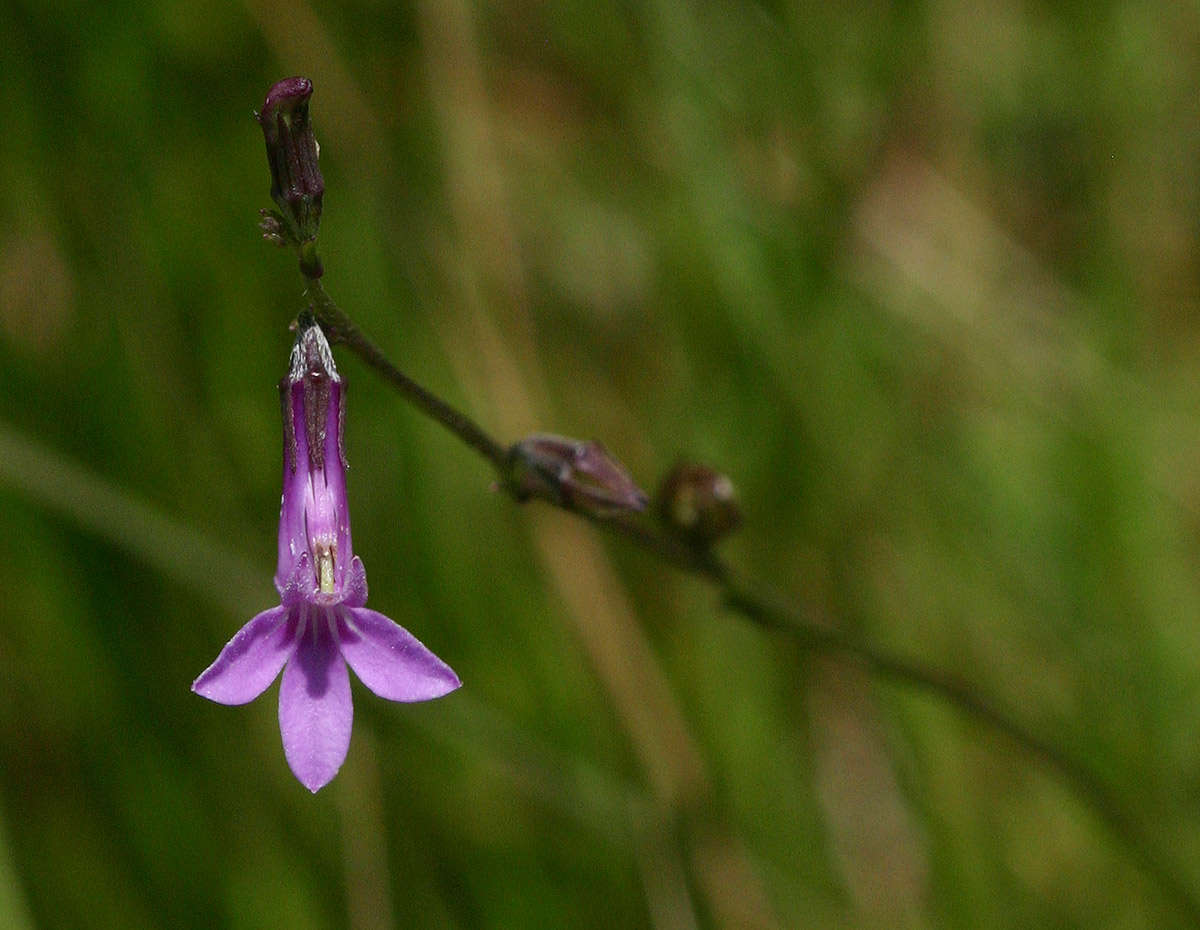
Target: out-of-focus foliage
[922,278]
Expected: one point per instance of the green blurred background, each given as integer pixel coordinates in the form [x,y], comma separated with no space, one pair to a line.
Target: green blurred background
[922,278]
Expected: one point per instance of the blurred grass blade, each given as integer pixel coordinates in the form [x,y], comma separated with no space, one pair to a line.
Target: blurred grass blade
[51,480]
[14,914]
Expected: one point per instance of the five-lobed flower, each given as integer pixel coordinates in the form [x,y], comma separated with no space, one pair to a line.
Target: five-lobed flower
[321,624]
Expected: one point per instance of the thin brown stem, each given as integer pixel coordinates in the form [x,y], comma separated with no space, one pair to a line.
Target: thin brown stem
[340,328]
[1104,802]
[773,613]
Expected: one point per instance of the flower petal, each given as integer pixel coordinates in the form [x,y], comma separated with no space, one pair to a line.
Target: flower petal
[315,713]
[391,661]
[354,593]
[250,661]
[298,586]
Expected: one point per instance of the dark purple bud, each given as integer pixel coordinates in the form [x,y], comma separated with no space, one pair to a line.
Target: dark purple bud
[699,502]
[574,473]
[296,183]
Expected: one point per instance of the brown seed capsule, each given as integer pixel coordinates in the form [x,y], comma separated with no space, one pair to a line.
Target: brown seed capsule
[699,502]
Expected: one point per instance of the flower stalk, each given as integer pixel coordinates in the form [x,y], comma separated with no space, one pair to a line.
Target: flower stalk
[696,509]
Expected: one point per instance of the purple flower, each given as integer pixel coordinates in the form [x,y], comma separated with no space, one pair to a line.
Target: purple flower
[321,624]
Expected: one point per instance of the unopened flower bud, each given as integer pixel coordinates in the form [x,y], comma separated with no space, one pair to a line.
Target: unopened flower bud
[699,502]
[296,183]
[574,473]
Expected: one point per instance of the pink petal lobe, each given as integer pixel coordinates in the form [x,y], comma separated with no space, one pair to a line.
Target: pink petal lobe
[315,712]
[250,661]
[391,661]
